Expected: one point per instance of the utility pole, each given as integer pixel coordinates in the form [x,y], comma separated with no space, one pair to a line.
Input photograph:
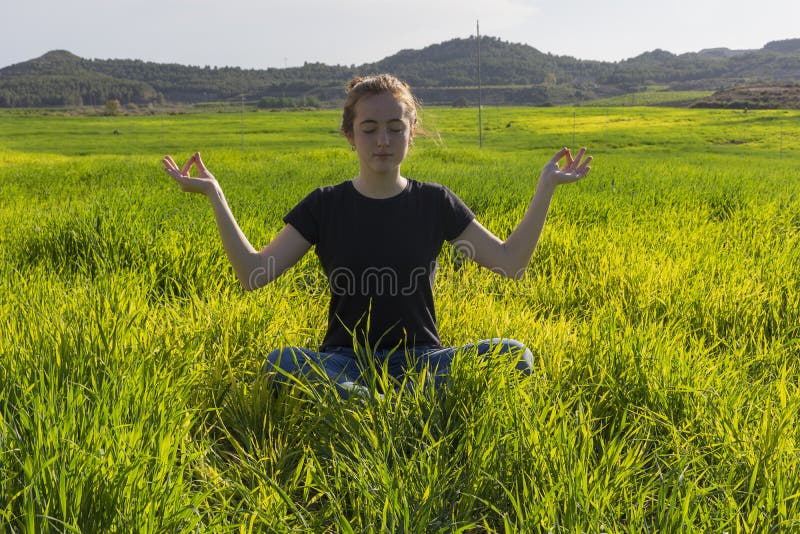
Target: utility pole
[480,88]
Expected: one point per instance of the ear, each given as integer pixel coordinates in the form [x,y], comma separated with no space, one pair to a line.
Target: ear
[350,139]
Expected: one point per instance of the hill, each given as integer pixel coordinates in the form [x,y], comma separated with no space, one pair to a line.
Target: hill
[61,78]
[442,73]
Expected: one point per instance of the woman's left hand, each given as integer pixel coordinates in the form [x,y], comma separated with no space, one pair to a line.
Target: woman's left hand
[574,168]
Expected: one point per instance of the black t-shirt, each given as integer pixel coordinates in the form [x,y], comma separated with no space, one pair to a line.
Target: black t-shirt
[380,259]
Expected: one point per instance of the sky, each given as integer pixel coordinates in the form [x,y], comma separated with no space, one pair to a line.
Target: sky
[287,33]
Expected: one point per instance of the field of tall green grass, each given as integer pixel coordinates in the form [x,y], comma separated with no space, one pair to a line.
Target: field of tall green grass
[662,307]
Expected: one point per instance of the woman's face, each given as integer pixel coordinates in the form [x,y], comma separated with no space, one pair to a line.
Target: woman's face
[381,133]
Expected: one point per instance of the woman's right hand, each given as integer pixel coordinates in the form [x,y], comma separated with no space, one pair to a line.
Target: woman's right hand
[203,183]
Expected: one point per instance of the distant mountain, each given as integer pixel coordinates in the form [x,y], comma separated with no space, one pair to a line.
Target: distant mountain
[61,78]
[723,53]
[787,46]
[443,73]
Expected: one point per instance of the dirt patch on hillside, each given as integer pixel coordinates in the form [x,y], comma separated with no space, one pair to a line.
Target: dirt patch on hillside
[761,96]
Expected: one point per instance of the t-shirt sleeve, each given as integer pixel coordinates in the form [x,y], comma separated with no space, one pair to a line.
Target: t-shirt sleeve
[456,215]
[305,216]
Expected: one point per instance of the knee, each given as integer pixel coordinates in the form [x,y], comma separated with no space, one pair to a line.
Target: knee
[525,361]
[509,345]
[287,359]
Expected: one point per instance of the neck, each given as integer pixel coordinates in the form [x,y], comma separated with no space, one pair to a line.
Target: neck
[383,186]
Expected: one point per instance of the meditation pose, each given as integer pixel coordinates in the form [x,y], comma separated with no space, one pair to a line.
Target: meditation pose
[378,236]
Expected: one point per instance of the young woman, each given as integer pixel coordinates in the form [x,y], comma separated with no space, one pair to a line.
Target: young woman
[377,237]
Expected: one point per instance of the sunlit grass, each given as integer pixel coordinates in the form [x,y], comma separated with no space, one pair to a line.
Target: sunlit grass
[654,97]
[662,308]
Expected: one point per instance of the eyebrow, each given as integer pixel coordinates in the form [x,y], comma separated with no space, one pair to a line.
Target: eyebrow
[373,121]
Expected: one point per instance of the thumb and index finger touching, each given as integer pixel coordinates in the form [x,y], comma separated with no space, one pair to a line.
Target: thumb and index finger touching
[576,166]
[195,159]
[557,157]
[201,167]
[570,159]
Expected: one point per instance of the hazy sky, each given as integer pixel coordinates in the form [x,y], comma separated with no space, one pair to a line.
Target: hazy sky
[278,33]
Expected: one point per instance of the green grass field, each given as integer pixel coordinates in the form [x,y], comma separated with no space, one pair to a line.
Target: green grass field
[651,97]
[662,305]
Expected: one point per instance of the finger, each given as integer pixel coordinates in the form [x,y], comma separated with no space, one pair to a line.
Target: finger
[579,155]
[187,165]
[173,172]
[584,169]
[169,164]
[199,161]
[569,159]
[560,154]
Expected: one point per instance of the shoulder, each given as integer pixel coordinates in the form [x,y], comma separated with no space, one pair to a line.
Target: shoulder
[331,190]
[326,194]
[431,189]
[439,194]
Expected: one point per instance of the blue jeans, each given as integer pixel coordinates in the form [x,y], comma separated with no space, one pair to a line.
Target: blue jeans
[346,367]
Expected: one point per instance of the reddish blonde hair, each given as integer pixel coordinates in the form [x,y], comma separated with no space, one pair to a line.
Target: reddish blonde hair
[359,87]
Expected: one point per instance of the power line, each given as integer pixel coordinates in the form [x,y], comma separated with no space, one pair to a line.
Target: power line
[480,88]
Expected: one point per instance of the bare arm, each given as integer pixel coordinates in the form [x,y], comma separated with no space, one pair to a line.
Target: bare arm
[511,258]
[254,269]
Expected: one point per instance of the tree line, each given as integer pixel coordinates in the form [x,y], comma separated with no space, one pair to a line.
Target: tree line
[511,74]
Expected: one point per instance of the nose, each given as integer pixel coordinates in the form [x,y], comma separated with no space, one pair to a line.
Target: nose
[383,137]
